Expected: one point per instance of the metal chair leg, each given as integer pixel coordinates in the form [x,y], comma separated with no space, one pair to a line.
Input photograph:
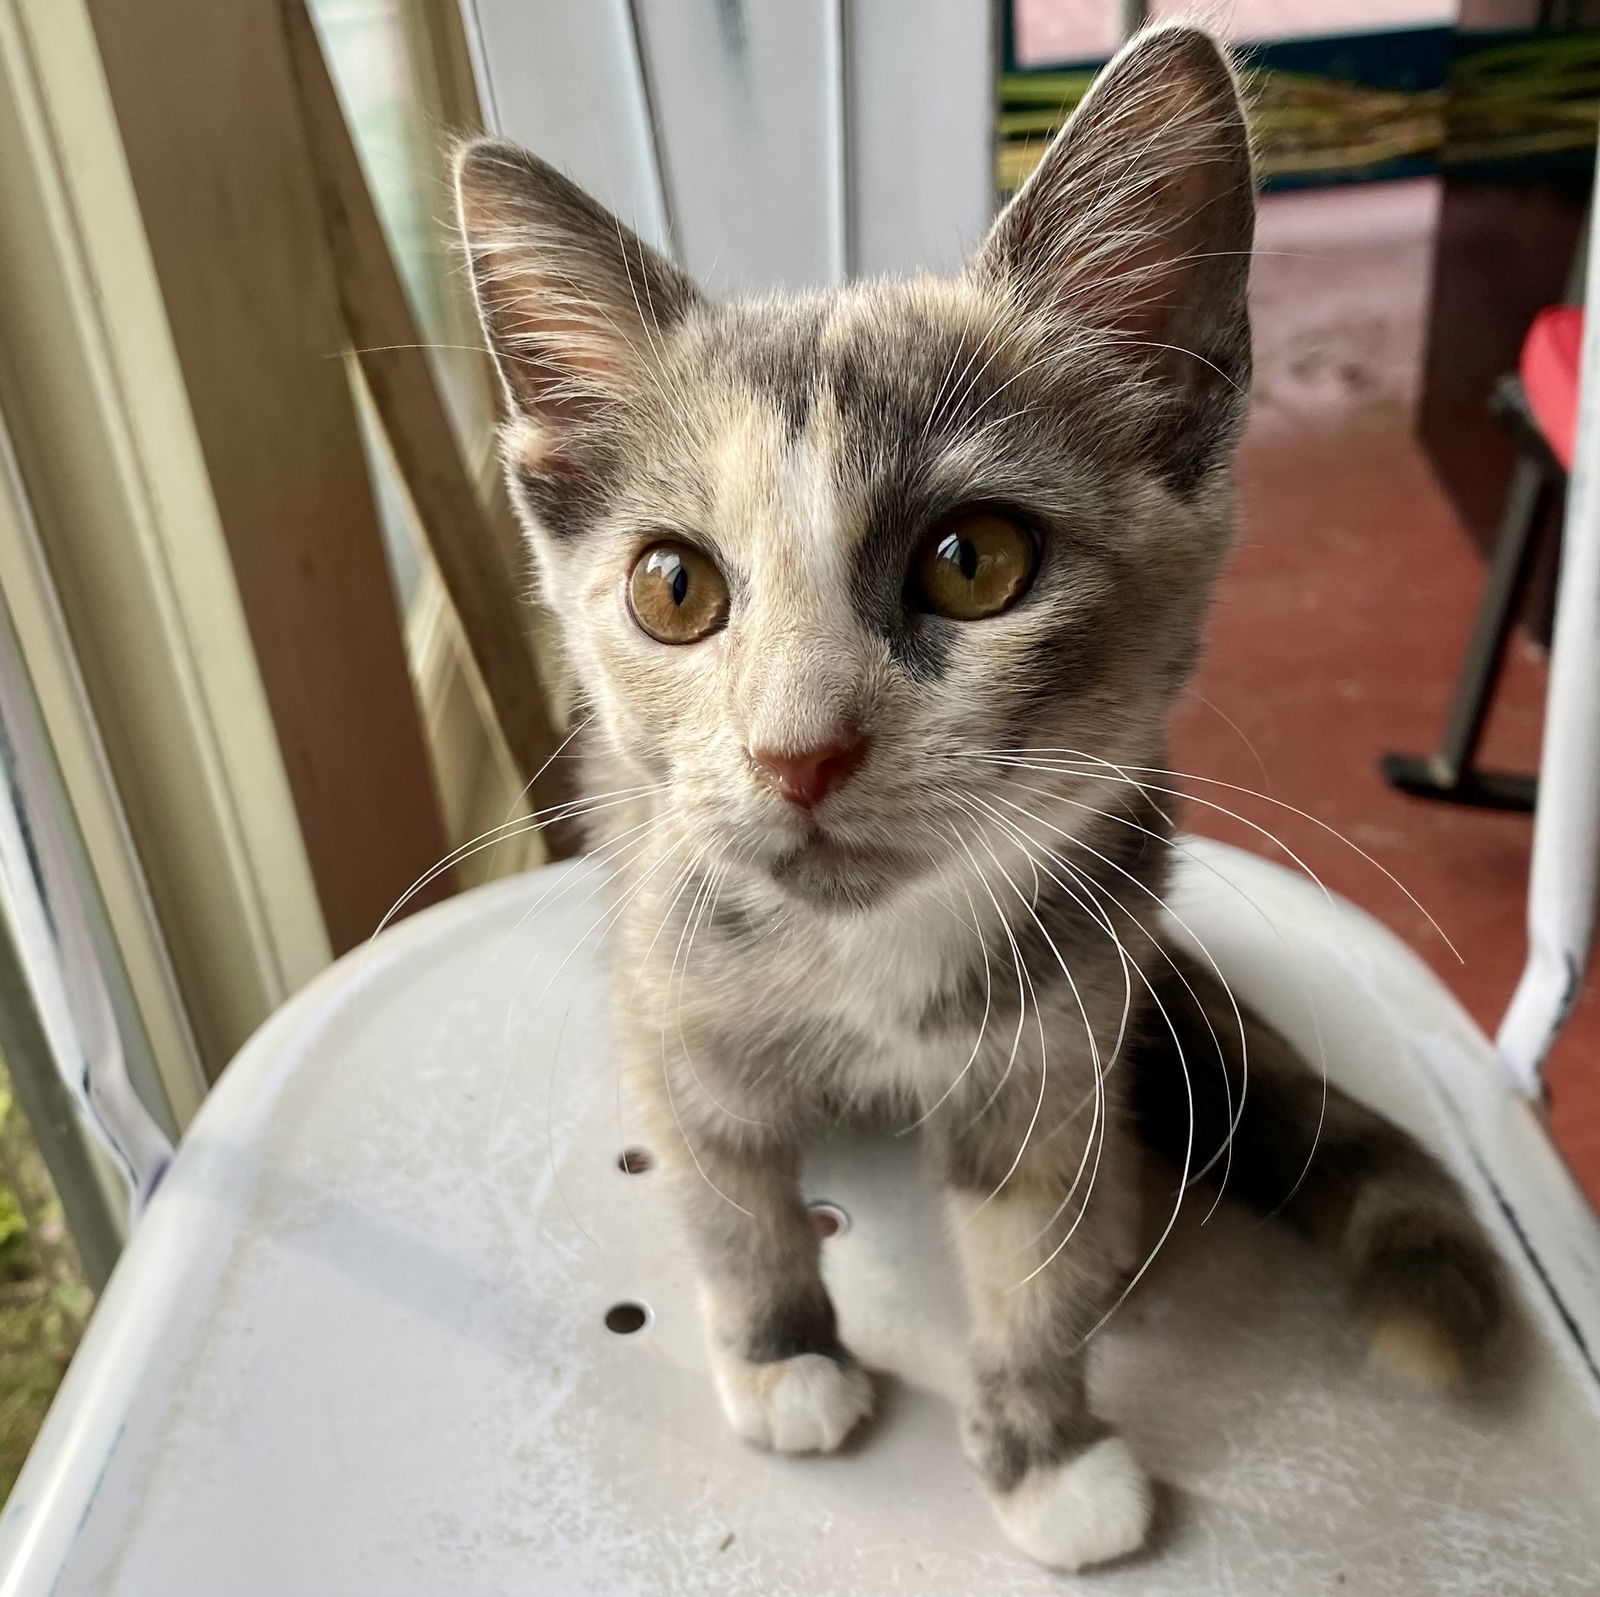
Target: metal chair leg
[1450,774]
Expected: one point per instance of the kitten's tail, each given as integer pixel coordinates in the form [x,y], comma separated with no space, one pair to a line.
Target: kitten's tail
[1422,1274]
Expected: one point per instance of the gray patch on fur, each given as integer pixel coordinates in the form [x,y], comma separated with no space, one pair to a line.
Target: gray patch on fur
[1023,1419]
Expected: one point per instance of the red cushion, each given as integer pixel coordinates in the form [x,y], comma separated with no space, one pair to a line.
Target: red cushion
[1549,369]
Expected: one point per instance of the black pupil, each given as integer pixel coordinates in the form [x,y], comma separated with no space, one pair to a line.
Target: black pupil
[678,581]
[962,553]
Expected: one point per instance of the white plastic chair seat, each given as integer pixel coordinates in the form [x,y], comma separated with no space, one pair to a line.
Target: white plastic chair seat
[358,1346]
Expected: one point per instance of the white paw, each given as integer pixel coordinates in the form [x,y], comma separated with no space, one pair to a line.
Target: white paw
[1094,1507]
[807,1404]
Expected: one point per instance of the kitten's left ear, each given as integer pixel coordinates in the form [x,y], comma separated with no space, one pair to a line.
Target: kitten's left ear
[572,302]
[1136,226]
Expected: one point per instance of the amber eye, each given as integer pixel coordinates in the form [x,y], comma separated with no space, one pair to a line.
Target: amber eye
[972,565]
[676,594]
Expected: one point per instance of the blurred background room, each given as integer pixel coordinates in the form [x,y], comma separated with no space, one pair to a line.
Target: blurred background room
[265,656]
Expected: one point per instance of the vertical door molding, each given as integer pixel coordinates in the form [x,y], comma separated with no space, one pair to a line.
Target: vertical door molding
[766,146]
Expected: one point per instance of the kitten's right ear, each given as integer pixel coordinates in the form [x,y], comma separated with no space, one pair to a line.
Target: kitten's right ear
[572,302]
[1135,229]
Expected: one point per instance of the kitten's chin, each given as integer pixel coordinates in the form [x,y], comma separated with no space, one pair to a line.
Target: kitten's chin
[827,873]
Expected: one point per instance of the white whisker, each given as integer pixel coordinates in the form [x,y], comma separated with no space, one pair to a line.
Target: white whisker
[1234,1113]
[666,1072]
[1022,985]
[1038,1010]
[983,1025]
[1266,798]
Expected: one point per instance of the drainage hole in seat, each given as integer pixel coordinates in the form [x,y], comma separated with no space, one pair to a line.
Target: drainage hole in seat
[634,1161]
[828,1219]
[626,1318]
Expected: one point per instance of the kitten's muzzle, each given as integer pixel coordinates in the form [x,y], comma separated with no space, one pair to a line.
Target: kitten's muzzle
[806,776]
[831,872]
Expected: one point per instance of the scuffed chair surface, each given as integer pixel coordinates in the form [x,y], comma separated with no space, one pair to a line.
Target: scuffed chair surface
[360,1345]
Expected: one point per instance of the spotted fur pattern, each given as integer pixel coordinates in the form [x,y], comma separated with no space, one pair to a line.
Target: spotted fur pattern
[974,945]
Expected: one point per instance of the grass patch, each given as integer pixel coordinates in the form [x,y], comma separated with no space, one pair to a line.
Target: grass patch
[44,1301]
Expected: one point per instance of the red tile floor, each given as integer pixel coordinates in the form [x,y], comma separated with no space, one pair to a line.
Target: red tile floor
[1339,625]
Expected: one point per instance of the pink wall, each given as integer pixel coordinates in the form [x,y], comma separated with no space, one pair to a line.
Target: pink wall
[1081,30]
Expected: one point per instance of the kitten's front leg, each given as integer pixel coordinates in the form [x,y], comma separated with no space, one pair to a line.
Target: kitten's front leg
[785,1380]
[1068,1491]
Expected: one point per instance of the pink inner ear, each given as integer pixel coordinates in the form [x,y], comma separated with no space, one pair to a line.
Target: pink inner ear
[1145,285]
[572,301]
[1135,211]
[561,353]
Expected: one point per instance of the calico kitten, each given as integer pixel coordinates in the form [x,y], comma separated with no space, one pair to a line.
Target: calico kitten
[875,597]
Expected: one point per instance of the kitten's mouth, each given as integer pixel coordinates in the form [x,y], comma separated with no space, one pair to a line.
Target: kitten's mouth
[826,869]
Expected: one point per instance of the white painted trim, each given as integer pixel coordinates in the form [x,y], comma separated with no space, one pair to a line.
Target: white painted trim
[920,118]
[57,933]
[563,80]
[747,105]
[764,146]
[132,533]
[46,650]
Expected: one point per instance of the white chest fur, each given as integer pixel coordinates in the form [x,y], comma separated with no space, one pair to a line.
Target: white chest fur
[887,970]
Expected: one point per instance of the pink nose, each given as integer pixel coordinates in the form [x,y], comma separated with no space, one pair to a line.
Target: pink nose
[807,777]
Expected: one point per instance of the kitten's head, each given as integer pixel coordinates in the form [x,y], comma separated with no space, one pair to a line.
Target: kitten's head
[817,560]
